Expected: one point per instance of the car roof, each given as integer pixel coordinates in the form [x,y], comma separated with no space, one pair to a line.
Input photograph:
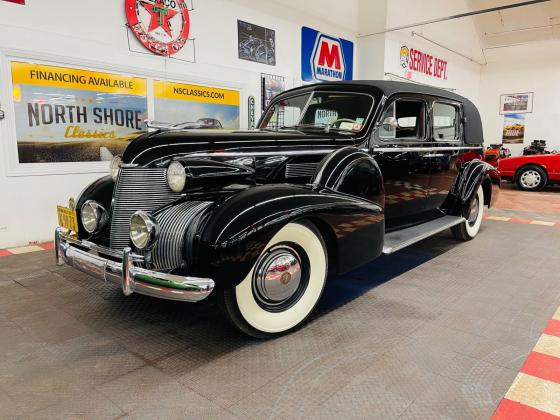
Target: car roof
[473,123]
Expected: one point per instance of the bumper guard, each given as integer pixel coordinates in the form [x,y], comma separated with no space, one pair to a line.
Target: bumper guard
[85,256]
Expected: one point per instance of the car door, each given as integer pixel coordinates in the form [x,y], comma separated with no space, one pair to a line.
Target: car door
[445,146]
[398,148]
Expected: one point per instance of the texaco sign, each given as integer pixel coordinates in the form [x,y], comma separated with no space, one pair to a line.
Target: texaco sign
[162,26]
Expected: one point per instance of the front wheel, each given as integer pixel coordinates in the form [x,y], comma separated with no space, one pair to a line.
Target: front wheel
[469,228]
[284,285]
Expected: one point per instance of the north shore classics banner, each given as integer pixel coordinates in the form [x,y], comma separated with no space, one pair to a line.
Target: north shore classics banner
[74,115]
[196,106]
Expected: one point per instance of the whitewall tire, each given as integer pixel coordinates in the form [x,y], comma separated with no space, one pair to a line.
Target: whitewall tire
[284,285]
[469,229]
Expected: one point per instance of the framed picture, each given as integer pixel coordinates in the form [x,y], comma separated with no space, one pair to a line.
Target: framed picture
[516,103]
[256,43]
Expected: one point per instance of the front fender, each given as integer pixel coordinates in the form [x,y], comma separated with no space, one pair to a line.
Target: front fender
[472,175]
[351,171]
[237,230]
[101,190]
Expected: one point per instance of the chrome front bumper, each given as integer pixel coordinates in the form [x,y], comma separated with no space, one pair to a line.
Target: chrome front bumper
[85,256]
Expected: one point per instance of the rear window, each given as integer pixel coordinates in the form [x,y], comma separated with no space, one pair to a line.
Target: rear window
[445,121]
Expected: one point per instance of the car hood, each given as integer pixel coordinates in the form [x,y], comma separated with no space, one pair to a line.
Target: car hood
[160,145]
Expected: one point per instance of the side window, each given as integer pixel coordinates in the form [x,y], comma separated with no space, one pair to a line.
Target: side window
[403,119]
[446,121]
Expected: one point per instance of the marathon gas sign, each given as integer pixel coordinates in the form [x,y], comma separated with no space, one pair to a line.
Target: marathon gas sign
[325,58]
[413,60]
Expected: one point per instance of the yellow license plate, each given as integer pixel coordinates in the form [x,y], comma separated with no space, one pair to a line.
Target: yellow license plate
[67,218]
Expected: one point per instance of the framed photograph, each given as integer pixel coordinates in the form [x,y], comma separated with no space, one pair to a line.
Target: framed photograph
[514,129]
[256,43]
[516,103]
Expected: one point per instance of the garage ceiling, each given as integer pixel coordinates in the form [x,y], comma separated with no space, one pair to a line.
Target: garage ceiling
[518,25]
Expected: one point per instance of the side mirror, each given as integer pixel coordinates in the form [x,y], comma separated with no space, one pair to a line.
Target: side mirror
[390,123]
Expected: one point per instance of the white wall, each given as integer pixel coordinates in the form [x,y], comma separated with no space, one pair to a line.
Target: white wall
[527,68]
[91,33]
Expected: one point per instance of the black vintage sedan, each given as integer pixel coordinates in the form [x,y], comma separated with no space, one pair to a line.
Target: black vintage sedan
[336,175]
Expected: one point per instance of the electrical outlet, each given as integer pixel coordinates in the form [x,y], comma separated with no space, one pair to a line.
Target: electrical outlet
[3,229]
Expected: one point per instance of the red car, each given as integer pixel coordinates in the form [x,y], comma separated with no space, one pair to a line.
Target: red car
[531,172]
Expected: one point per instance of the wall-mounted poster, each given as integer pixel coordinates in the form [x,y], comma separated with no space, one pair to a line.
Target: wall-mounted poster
[256,43]
[195,106]
[73,115]
[325,58]
[516,103]
[271,86]
[514,129]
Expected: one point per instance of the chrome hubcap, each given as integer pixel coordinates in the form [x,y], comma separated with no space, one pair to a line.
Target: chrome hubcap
[530,179]
[473,211]
[279,277]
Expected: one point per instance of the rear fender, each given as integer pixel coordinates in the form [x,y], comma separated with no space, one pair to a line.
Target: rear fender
[472,175]
[237,230]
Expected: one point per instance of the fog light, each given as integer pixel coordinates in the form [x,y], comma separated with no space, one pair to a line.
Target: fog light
[176,176]
[144,230]
[94,216]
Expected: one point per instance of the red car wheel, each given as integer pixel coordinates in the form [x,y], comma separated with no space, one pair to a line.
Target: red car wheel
[532,178]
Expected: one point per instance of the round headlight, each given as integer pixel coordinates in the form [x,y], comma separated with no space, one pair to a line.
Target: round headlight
[144,230]
[176,176]
[114,167]
[93,216]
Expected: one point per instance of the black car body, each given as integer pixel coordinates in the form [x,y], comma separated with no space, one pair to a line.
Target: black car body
[338,173]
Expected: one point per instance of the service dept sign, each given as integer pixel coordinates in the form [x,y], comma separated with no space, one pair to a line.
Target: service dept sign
[325,58]
[414,60]
[162,26]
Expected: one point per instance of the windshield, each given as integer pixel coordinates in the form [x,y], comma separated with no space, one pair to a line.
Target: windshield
[340,112]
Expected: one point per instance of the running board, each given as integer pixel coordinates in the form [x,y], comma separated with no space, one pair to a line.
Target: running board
[400,239]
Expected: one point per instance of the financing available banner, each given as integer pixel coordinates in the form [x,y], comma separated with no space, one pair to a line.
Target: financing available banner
[195,106]
[74,115]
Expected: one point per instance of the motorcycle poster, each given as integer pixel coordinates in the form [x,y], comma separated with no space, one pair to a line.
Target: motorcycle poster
[256,43]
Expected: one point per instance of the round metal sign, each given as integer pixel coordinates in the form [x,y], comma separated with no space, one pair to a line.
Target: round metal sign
[162,26]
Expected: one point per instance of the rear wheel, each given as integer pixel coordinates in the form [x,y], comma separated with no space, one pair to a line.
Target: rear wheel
[284,285]
[470,227]
[532,178]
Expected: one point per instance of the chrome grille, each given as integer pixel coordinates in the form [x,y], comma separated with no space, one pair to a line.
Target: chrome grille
[300,170]
[168,252]
[137,189]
